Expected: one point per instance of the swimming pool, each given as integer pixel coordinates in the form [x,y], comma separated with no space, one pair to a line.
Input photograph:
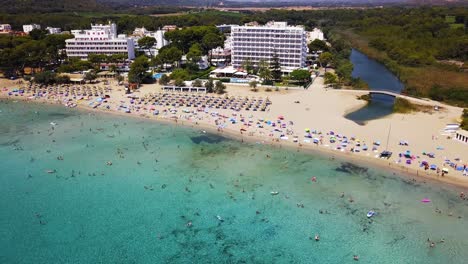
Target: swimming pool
[157,75]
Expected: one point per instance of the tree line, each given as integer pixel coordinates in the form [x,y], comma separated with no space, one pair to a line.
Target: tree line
[36,51]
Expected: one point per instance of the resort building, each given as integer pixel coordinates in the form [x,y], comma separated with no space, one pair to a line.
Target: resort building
[158,35]
[169,27]
[5,27]
[315,34]
[220,56]
[140,32]
[256,43]
[160,40]
[225,28]
[29,28]
[53,30]
[100,39]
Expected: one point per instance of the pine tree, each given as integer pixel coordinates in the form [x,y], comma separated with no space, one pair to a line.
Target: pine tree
[276,68]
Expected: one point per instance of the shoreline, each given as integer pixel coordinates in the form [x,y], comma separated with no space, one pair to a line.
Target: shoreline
[403,172]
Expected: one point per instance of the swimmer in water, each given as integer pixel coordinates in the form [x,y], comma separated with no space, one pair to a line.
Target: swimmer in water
[356,257]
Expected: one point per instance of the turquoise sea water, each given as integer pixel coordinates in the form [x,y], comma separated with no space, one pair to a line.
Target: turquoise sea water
[163,176]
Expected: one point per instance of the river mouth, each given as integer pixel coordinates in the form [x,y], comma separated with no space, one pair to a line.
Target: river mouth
[378,77]
[379,106]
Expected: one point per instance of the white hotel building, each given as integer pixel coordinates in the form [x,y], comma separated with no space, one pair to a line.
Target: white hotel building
[255,43]
[101,39]
[29,28]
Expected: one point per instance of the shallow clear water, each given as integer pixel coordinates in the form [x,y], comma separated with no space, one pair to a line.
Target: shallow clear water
[378,77]
[163,176]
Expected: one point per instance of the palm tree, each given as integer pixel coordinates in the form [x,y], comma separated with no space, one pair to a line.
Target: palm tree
[264,71]
[113,68]
[253,86]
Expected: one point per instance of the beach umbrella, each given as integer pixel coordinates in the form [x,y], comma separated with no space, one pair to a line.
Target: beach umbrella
[280,117]
[445,170]
[433,167]
[307,130]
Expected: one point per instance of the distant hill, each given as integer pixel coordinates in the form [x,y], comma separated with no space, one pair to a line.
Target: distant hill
[275,3]
[47,6]
[131,3]
[56,6]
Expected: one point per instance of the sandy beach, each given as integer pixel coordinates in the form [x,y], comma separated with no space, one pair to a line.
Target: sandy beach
[317,111]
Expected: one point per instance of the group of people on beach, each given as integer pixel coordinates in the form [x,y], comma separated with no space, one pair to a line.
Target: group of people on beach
[228,114]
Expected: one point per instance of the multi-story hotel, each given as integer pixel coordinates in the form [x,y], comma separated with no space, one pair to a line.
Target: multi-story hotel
[101,39]
[53,30]
[158,35]
[255,43]
[29,28]
[5,27]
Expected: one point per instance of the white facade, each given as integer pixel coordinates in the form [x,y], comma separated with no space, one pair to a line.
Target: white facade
[140,32]
[220,56]
[315,34]
[53,30]
[158,35]
[101,39]
[5,27]
[29,28]
[225,28]
[257,43]
[160,40]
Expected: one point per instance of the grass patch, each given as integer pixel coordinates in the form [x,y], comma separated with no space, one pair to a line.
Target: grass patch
[289,84]
[464,122]
[403,106]
[455,26]
[437,83]
[201,74]
[365,97]
[449,19]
